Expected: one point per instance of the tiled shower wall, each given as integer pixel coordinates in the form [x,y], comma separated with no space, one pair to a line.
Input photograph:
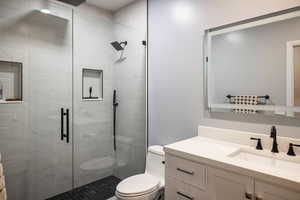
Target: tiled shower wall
[30,147]
[93,142]
[37,164]
[31,150]
[93,120]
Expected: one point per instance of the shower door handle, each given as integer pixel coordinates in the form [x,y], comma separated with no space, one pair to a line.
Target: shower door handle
[68,128]
[62,134]
[62,113]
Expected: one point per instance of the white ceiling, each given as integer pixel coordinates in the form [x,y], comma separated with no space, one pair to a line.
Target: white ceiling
[112,5]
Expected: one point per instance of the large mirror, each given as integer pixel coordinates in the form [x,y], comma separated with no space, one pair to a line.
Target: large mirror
[253,68]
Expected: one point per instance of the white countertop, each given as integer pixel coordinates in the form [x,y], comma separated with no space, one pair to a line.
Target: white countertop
[215,153]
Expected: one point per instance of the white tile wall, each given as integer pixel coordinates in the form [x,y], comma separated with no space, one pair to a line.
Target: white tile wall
[93,30]
[37,163]
[29,132]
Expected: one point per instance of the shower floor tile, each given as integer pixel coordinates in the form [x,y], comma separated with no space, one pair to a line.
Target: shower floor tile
[99,190]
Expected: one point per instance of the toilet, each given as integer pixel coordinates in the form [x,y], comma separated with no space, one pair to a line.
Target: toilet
[147,186]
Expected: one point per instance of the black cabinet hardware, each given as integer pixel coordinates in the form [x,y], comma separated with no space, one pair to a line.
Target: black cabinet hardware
[248,195]
[258,145]
[185,196]
[185,171]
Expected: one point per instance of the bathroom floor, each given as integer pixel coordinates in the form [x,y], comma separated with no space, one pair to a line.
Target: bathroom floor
[99,190]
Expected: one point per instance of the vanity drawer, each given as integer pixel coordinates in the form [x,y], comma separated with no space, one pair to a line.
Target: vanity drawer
[187,171]
[178,190]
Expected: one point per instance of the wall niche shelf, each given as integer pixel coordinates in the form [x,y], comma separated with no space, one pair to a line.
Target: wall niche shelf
[92,84]
[11,82]
[11,102]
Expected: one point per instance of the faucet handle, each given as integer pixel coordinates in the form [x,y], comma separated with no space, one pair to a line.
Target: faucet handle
[258,145]
[291,151]
[273,132]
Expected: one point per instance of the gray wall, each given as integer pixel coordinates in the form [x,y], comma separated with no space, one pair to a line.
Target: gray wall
[175,82]
[176,62]
[252,61]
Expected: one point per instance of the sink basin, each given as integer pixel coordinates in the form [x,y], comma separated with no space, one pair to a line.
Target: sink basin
[267,159]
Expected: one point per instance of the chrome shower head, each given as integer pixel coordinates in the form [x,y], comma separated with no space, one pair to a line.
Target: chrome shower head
[118,45]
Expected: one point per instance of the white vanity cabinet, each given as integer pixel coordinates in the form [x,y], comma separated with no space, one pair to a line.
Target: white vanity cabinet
[179,190]
[266,191]
[224,185]
[188,180]
[185,179]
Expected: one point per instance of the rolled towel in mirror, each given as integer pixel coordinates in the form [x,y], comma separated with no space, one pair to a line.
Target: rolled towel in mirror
[3,195]
[2,183]
[1,170]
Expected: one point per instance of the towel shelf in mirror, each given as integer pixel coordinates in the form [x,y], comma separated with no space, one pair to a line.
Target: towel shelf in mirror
[276,109]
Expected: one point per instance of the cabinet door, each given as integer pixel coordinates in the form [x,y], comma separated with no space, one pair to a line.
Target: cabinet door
[187,171]
[229,186]
[266,191]
[179,190]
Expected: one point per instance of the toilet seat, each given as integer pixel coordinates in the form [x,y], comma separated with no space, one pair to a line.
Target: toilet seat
[138,185]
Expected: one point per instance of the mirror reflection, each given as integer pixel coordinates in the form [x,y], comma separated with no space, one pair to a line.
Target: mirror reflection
[254,68]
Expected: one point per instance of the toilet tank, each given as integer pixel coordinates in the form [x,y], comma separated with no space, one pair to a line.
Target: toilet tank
[155,162]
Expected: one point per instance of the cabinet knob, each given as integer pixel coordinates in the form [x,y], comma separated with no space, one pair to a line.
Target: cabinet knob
[248,195]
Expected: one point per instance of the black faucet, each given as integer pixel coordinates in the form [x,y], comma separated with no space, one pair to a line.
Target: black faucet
[274,136]
[291,151]
[258,145]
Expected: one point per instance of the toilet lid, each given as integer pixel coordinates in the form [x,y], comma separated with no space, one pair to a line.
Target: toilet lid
[138,185]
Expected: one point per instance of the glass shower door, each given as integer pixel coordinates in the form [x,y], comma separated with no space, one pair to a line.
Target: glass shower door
[50,163]
[37,160]
[50,106]
[50,111]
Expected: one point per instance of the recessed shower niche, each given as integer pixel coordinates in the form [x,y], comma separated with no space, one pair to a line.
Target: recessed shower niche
[92,84]
[10,82]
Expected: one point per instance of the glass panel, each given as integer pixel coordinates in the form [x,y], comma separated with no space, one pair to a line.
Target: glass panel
[37,163]
[115,46]
[130,84]
[109,141]
[93,141]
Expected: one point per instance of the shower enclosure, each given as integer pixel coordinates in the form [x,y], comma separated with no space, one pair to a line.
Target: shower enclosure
[58,74]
